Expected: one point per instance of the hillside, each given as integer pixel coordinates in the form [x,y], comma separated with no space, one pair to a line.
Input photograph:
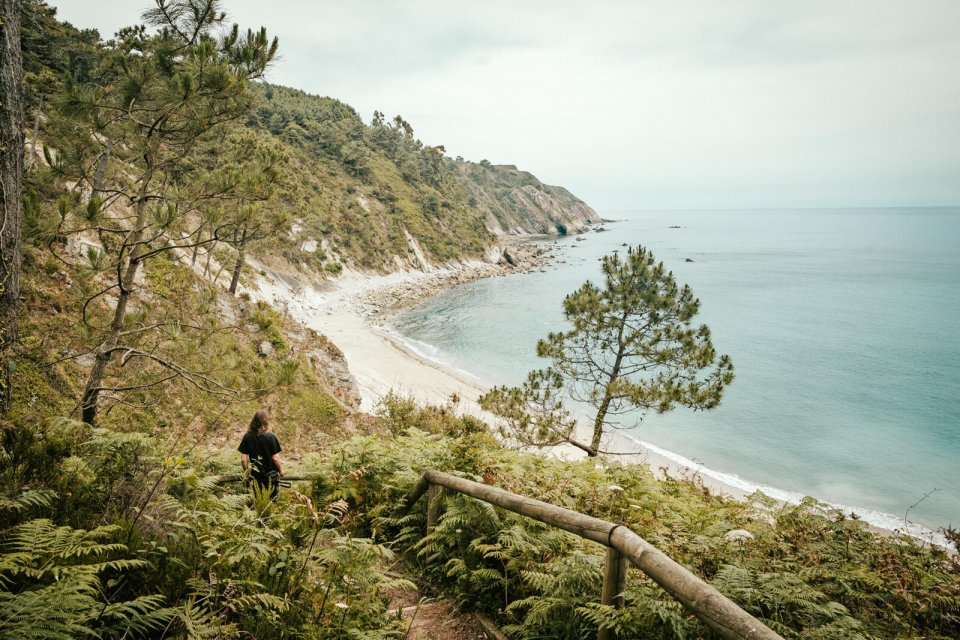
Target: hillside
[373,196]
[343,192]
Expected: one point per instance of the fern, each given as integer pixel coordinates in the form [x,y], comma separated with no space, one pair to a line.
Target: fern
[29,499]
[785,601]
[53,589]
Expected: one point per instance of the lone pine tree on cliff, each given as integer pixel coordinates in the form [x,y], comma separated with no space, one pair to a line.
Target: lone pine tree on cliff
[633,345]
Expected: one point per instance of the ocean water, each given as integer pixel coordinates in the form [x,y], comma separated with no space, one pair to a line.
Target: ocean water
[843,327]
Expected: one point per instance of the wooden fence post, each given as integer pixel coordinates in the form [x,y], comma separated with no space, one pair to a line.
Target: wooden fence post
[614,584]
[433,506]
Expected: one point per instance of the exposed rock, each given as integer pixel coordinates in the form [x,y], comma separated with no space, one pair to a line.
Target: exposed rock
[516,202]
[688,260]
[329,362]
[265,349]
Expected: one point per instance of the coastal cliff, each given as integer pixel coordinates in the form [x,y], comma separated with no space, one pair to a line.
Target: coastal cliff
[516,202]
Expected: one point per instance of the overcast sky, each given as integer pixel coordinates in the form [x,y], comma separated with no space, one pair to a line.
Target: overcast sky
[640,104]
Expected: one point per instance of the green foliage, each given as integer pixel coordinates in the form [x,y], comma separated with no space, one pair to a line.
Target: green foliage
[52,584]
[806,570]
[400,413]
[195,560]
[270,325]
[364,188]
[121,138]
[269,570]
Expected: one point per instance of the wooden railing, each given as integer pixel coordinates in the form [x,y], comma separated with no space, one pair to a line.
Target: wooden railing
[623,547]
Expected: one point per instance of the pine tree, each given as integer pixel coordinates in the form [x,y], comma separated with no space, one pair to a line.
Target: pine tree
[632,346]
[169,88]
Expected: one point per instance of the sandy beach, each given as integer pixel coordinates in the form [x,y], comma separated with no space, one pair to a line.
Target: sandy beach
[352,315]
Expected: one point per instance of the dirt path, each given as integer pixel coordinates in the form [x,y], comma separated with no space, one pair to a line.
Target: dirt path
[435,620]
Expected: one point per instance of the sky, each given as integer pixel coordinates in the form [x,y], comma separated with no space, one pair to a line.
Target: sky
[644,104]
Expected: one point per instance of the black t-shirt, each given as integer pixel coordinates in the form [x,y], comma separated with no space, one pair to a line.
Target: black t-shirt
[261,447]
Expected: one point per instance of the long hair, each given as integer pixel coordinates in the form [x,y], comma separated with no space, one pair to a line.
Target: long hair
[260,422]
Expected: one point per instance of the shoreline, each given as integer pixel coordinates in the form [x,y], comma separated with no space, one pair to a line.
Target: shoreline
[354,314]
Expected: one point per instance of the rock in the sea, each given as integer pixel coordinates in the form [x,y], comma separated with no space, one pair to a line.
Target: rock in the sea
[688,260]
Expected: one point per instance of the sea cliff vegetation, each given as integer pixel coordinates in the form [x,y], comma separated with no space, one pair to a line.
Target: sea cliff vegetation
[126,524]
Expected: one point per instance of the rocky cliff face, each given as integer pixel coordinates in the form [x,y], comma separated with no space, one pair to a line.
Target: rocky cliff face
[516,202]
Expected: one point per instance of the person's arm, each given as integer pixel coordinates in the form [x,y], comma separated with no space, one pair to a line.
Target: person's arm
[245,465]
[278,464]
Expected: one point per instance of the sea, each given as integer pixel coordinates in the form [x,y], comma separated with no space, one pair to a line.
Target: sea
[843,326]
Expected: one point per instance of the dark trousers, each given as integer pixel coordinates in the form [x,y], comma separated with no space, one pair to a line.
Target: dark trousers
[270,481]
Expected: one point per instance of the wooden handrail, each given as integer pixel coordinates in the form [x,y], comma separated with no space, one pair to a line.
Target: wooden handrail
[703,600]
[238,477]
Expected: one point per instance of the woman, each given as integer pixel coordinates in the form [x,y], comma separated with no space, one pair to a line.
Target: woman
[260,454]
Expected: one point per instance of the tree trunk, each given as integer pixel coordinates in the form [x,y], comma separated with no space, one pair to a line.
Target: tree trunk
[102,168]
[196,248]
[598,425]
[206,268]
[91,394]
[605,405]
[11,185]
[238,267]
[607,398]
